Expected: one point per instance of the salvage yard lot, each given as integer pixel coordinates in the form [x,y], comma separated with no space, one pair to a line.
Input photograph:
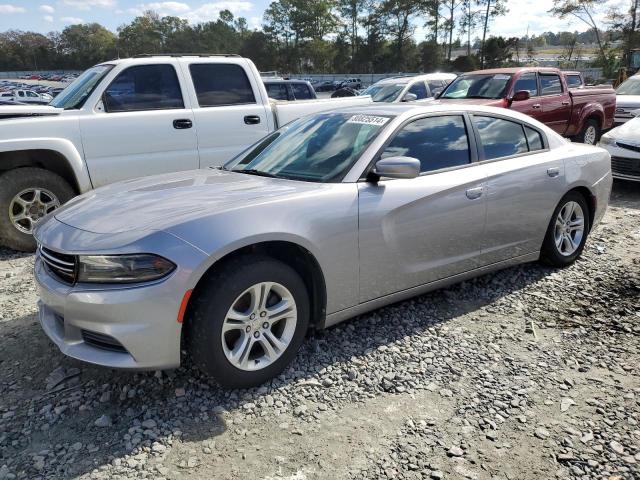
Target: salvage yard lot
[529,373]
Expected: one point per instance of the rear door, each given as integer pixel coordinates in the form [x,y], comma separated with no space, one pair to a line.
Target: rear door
[556,102]
[415,231]
[229,113]
[144,126]
[525,181]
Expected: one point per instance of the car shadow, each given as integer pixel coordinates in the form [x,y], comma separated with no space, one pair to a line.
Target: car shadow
[625,194]
[184,403]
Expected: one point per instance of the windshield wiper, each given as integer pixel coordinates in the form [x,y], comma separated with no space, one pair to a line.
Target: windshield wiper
[253,171]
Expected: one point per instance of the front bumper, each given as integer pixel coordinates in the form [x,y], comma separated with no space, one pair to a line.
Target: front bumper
[625,163]
[127,327]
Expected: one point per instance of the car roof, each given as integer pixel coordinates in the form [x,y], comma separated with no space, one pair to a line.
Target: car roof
[411,78]
[282,80]
[512,70]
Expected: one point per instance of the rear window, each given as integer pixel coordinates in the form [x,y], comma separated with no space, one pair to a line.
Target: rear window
[219,84]
[277,91]
[301,91]
[574,81]
[550,84]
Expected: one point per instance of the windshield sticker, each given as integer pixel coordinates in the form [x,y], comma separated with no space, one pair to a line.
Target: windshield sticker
[368,120]
[501,77]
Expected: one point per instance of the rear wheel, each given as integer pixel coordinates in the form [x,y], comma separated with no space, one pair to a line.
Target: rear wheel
[590,133]
[248,321]
[567,231]
[27,195]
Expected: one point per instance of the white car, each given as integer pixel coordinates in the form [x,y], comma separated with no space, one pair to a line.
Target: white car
[407,89]
[623,143]
[29,96]
[130,118]
[627,99]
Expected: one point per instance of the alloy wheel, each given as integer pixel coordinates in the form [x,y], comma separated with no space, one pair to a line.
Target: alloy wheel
[569,228]
[259,326]
[590,135]
[29,206]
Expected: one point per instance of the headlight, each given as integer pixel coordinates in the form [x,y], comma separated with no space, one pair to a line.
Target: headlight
[122,268]
[606,140]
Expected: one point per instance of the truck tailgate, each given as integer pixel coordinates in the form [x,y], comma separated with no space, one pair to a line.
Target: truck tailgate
[286,112]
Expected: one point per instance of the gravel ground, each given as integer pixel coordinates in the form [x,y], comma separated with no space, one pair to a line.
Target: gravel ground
[530,373]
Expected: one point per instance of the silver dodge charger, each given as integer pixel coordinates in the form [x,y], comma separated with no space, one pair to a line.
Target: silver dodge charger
[331,216]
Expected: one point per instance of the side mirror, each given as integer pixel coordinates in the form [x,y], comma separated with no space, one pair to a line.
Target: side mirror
[397,167]
[409,97]
[521,95]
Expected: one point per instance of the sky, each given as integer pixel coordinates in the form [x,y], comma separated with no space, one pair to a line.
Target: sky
[47,15]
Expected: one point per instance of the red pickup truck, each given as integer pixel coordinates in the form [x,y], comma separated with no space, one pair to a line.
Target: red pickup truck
[579,113]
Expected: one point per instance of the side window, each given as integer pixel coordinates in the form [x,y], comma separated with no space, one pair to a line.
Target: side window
[438,142]
[419,90]
[435,86]
[301,91]
[277,91]
[528,82]
[32,94]
[145,87]
[534,139]
[500,138]
[550,84]
[573,81]
[219,84]
[20,93]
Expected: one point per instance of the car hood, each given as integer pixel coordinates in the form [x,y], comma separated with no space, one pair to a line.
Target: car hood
[628,101]
[490,102]
[25,110]
[163,201]
[627,131]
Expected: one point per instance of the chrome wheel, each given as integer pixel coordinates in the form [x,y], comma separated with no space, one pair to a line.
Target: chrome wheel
[590,135]
[569,228]
[29,206]
[259,326]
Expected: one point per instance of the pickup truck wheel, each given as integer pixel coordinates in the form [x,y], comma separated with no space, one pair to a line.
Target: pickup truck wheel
[248,321]
[567,231]
[590,133]
[27,195]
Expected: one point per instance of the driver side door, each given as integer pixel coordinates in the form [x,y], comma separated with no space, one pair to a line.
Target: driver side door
[416,231]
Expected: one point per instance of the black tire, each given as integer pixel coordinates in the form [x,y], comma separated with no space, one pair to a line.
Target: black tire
[584,135]
[550,253]
[11,184]
[208,309]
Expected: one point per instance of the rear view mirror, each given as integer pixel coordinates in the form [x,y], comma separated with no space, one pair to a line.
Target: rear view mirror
[397,167]
[521,95]
[409,97]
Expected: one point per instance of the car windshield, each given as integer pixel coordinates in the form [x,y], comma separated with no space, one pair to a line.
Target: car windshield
[490,86]
[77,93]
[319,148]
[384,93]
[629,87]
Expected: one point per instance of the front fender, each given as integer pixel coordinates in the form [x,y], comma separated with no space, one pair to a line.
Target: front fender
[62,146]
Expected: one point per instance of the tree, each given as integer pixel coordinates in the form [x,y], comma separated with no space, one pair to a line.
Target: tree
[469,21]
[627,25]
[498,52]
[398,15]
[451,6]
[351,11]
[87,44]
[583,10]
[493,8]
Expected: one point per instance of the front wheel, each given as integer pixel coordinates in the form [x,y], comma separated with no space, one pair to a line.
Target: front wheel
[248,321]
[27,195]
[567,231]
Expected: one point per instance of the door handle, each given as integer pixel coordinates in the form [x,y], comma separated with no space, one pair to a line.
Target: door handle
[553,172]
[182,123]
[252,119]
[474,193]
[565,103]
[535,105]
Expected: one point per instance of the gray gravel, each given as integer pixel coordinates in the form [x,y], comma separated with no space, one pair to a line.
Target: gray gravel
[530,373]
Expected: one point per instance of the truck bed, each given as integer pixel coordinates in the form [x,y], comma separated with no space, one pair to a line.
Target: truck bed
[584,97]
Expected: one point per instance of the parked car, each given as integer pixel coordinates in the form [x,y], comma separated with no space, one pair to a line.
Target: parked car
[579,113]
[29,96]
[623,143]
[406,89]
[628,99]
[333,215]
[289,89]
[326,86]
[129,118]
[354,83]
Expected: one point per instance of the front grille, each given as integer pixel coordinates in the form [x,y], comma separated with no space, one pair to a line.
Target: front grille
[625,166]
[64,267]
[102,341]
[634,148]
